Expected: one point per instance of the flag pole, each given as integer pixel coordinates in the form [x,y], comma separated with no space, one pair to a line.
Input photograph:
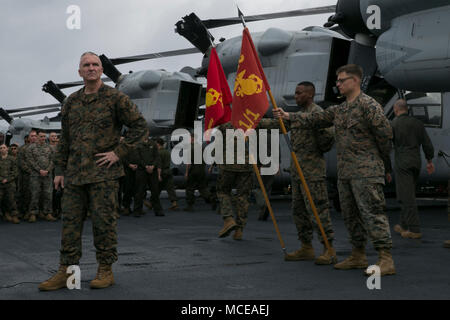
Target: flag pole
[258,176]
[296,163]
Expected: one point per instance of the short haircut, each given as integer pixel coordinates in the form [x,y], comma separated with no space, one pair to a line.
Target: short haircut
[401,104]
[352,69]
[14,145]
[308,85]
[89,53]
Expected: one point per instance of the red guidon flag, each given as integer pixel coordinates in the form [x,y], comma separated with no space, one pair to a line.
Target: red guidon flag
[250,101]
[218,94]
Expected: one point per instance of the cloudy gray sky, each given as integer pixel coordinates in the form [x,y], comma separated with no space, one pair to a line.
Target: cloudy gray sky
[37,46]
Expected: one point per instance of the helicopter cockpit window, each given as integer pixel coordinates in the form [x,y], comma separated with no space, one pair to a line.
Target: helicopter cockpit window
[426,107]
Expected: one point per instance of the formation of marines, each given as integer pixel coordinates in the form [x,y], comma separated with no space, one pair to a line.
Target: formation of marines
[91,158]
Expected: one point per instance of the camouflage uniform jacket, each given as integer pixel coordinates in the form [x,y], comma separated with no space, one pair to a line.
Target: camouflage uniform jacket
[164,156]
[246,166]
[362,135]
[91,124]
[22,164]
[39,157]
[143,154]
[8,169]
[306,144]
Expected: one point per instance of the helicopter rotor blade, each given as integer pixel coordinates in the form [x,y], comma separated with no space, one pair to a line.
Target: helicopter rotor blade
[117,61]
[26,114]
[217,23]
[42,107]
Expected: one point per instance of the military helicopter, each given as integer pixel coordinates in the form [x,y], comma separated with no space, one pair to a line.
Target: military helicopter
[396,57]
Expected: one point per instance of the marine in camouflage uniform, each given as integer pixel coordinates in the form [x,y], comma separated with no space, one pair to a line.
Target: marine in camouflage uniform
[306,143]
[238,176]
[24,177]
[87,160]
[91,124]
[145,155]
[363,137]
[166,182]
[196,179]
[40,158]
[8,173]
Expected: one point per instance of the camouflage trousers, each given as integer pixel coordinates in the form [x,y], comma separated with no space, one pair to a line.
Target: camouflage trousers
[363,209]
[243,183]
[197,180]
[101,201]
[8,198]
[41,188]
[303,215]
[24,192]
[167,184]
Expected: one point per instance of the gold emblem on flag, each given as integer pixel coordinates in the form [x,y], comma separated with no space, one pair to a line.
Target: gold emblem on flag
[212,97]
[247,87]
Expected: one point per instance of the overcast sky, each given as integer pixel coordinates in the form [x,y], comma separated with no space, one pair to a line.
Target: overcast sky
[37,46]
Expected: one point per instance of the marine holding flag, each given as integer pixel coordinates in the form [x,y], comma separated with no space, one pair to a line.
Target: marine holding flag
[249,106]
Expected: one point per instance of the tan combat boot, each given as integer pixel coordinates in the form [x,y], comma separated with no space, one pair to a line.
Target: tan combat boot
[32,218]
[306,252]
[357,260]
[327,257]
[385,263]
[411,235]
[104,277]
[228,226]
[447,244]
[174,206]
[15,220]
[148,204]
[398,228]
[238,234]
[58,281]
[49,217]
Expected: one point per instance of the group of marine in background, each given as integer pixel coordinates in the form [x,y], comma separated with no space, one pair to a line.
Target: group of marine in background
[26,173]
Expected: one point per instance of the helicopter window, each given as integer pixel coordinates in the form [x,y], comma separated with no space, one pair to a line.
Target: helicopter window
[426,107]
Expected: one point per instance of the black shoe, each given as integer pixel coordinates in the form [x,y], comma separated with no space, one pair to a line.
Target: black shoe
[137,214]
[159,214]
